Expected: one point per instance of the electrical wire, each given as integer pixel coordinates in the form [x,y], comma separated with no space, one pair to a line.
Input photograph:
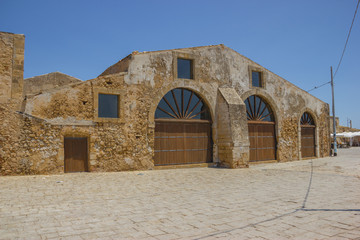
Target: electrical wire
[319,86]
[343,52]
[347,39]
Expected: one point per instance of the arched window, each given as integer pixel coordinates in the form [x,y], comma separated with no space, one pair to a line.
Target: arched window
[181,103]
[307,119]
[258,110]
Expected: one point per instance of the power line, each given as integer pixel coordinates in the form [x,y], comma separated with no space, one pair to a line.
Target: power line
[319,86]
[343,52]
[347,39]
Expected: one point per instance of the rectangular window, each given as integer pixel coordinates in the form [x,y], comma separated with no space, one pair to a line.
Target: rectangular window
[185,68]
[108,106]
[256,79]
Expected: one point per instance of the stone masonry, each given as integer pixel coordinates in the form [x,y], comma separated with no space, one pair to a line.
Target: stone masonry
[38,84]
[34,125]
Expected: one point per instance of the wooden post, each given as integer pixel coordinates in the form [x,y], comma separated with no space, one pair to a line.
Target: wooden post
[333,110]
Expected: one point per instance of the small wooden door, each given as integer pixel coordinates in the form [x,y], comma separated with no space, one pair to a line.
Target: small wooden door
[262,141]
[182,142]
[307,135]
[307,141]
[76,154]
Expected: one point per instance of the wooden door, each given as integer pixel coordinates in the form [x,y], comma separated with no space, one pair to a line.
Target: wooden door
[76,154]
[182,142]
[307,141]
[262,141]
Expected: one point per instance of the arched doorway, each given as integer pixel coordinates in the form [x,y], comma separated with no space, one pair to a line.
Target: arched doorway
[261,124]
[307,135]
[182,129]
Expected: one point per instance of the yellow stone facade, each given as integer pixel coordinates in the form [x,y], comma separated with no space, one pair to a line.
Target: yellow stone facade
[35,125]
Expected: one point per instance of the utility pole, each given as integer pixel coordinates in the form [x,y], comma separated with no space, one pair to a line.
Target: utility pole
[333,110]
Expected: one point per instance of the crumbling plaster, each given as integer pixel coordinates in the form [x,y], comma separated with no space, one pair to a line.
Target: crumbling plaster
[221,79]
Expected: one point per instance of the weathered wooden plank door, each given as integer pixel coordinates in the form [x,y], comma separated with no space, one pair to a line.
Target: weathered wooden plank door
[261,126]
[308,148]
[307,141]
[182,142]
[262,141]
[76,154]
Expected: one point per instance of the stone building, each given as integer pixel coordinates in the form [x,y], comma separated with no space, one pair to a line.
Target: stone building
[195,106]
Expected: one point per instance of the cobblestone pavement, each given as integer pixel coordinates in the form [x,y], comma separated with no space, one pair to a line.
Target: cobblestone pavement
[266,201]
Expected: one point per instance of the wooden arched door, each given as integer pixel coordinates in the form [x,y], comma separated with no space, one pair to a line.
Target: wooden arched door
[307,124]
[261,125]
[182,129]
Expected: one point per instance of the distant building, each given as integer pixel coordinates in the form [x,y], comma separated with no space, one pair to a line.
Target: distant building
[201,105]
[339,128]
[42,83]
[331,123]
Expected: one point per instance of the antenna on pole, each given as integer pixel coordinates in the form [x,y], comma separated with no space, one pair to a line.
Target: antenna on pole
[333,110]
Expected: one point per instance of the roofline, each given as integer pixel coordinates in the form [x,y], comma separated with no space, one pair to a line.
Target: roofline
[12,33]
[223,46]
[207,46]
[276,74]
[50,73]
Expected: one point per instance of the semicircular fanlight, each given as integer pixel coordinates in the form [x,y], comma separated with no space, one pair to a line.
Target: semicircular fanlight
[306,119]
[181,103]
[258,110]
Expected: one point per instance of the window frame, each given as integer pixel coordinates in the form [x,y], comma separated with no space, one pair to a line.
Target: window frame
[262,74]
[253,80]
[186,56]
[108,102]
[191,68]
[120,95]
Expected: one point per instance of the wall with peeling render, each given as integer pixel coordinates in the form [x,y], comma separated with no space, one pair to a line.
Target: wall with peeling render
[142,79]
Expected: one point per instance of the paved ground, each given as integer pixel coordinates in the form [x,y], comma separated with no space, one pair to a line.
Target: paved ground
[271,201]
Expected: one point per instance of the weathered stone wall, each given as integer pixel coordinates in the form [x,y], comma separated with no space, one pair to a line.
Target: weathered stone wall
[288,143]
[113,146]
[48,81]
[324,132]
[127,143]
[10,139]
[286,100]
[11,66]
[71,104]
[11,96]
[232,132]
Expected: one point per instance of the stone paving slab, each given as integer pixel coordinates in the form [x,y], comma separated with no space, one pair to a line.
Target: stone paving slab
[262,202]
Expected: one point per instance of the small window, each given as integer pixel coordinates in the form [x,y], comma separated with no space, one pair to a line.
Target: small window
[185,68]
[256,79]
[108,106]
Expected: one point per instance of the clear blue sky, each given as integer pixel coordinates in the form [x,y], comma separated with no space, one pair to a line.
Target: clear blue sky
[298,40]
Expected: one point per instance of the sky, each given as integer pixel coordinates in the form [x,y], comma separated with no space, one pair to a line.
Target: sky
[297,40]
